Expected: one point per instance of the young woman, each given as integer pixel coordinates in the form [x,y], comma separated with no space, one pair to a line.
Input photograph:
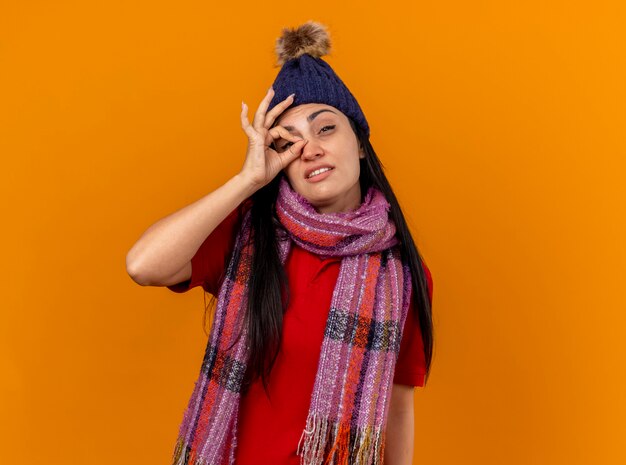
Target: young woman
[323,319]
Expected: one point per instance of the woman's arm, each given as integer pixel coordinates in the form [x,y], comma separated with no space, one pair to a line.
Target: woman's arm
[400,424]
[162,255]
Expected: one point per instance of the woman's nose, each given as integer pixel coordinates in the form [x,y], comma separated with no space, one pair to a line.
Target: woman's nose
[311,150]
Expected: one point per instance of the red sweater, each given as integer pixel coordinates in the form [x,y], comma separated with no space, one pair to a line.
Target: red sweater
[270,427]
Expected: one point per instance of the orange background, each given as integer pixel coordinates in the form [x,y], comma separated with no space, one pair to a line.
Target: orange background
[502,129]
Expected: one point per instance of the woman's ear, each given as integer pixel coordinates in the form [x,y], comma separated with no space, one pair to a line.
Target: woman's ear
[361,151]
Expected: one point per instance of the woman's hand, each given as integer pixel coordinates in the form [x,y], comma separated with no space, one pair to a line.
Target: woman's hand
[263,163]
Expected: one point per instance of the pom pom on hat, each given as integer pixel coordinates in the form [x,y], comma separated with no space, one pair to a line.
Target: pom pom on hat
[311,37]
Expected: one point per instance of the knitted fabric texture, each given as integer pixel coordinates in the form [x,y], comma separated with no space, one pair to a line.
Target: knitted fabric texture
[314,81]
[350,399]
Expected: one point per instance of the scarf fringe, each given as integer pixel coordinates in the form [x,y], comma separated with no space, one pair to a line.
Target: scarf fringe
[183,455]
[328,442]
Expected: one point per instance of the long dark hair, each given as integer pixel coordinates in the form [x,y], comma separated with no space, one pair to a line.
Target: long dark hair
[268,296]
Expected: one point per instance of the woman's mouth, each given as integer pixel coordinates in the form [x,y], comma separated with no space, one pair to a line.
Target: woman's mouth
[319,175]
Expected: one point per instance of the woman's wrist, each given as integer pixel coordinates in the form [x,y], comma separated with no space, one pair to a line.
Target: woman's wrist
[247,186]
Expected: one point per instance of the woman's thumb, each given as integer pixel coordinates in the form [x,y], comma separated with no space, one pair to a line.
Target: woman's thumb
[296,148]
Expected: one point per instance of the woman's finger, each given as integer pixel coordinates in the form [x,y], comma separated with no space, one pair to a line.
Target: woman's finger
[245,124]
[259,116]
[279,132]
[293,152]
[277,110]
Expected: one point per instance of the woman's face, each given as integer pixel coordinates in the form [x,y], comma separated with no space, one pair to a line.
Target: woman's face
[331,144]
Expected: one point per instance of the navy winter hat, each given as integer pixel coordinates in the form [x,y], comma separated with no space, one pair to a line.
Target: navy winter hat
[303,71]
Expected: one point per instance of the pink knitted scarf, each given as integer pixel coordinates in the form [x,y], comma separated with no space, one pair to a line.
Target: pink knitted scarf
[350,399]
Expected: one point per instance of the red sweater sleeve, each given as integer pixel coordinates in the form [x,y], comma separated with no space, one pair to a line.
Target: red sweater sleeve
[411,364]
[210,261]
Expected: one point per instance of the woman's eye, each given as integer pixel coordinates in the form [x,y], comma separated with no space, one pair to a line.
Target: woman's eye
[286,146]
